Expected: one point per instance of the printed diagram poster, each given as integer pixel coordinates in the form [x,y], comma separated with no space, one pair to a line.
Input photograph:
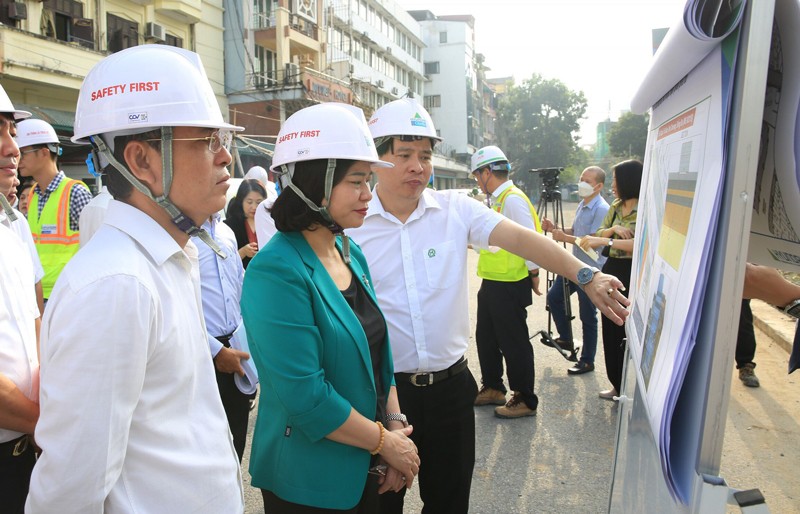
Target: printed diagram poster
[677,217]
[775,227]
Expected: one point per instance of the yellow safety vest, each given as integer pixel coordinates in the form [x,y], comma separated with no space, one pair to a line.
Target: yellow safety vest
[55,242]
[503,266]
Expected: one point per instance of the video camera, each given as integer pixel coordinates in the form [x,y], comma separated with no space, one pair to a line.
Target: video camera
[549,177]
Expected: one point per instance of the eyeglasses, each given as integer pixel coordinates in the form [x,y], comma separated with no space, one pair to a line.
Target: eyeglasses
[32,150]
[218,140]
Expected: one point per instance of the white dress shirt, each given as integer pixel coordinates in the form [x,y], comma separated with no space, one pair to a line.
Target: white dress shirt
[220,282]
[23,231]
[265,225]
[131,419]
[18,313]
[92,215]
[516,209]
[420,272]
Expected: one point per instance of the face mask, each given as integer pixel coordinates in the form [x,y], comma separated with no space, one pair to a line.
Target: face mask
[585,189]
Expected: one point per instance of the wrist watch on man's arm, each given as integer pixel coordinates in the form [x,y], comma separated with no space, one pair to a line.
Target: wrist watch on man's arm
[792,309]
[586,274]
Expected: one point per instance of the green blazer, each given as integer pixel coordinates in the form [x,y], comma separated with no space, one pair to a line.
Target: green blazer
[314,364]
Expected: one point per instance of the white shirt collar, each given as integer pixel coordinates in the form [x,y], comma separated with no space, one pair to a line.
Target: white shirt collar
[502,187]
[143,229]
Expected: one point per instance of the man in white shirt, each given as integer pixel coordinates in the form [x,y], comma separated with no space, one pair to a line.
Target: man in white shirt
[131,419]
[93,214]
[19,316]
[415,240]
[501,331]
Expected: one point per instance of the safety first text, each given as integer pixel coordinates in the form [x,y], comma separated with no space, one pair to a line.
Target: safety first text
[119,89]
[301,134]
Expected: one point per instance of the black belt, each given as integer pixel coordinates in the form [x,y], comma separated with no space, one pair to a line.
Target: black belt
[14,448]
[225,340]
[429,378]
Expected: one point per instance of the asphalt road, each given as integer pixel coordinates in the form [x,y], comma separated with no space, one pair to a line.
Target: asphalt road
[561,460]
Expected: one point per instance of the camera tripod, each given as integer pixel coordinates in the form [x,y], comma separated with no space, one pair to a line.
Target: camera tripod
[551,199]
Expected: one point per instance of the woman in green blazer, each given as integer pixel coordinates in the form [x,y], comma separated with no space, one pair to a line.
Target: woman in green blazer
[329,435]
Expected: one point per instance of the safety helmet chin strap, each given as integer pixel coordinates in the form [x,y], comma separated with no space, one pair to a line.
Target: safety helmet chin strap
[184,223]
[288,172]
[7,208]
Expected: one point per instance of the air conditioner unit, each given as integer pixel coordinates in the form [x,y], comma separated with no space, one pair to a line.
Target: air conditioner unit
[395,91]
[18,11]
[291,73]
[365,34]
[379,83]
[155,31]
[389,50]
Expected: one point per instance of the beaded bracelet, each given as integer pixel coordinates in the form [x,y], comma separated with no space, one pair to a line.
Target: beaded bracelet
[377,450]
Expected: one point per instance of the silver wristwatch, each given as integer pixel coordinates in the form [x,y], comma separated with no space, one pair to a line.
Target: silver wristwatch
[396,416]
[793,309]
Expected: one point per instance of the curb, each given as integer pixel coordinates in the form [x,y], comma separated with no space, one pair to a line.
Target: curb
[774,323]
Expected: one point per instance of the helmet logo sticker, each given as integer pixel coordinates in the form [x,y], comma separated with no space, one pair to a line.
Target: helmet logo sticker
[418,121]
[304,151]
[137,117]
[431,253]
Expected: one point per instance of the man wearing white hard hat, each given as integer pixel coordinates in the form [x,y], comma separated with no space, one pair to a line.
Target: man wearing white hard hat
[19,317]
[131,417]
[56,202]
[415,240]
[501,330]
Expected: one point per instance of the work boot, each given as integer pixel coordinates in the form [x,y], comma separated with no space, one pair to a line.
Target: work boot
[515,408]
[748,376]
[489,396]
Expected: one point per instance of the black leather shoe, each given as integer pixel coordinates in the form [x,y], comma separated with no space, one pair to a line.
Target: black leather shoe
[580,368]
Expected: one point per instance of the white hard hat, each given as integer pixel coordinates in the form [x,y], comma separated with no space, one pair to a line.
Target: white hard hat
[485,156]
[403,117]
[328,130]
[145,87]
[8,108]
[257,173]
[35,132]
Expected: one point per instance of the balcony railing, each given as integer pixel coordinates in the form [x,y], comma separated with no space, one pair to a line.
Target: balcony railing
[263,20]
[304,26]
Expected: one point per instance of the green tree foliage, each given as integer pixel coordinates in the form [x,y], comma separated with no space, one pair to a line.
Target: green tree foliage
[628,137]
[537,127]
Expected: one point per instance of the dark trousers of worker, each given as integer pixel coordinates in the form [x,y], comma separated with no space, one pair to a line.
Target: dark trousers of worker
[614,341]
[443,418]
[237,410]
[16,465]
[501,330]
[746,340]
[556,303]
[369,503]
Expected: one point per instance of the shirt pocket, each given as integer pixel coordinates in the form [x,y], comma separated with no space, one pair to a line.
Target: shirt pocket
[441,264]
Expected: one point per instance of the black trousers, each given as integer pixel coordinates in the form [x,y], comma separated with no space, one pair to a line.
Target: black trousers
[501,330]
[15,475]
[237,410]
[444,431]
[746,340]
[614,341]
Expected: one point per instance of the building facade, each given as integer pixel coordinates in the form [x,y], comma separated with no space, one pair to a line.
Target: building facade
[47,48]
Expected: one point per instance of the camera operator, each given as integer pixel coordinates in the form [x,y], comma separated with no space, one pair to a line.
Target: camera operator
[591,211]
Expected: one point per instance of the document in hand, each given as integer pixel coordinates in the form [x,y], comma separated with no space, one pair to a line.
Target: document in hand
[246,384]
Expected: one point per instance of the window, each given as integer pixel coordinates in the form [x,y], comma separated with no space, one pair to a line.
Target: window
[63,20]
[122,33]
[431,68]
[264,67]
[443,37]
[431,101]
[174,41]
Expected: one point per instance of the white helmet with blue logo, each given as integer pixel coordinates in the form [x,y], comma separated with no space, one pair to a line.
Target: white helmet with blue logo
[404,117]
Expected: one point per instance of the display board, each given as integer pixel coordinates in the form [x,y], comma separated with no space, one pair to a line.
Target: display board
[691,243]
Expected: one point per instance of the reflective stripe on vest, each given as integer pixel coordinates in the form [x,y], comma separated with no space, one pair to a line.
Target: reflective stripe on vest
[55,241]
[503,266]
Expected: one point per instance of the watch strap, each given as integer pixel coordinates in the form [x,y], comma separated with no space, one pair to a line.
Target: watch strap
[793,309]
[396,416]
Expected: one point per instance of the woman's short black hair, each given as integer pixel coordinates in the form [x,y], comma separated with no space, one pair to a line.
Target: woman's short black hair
[235,209]
[290,212]
[628,175]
